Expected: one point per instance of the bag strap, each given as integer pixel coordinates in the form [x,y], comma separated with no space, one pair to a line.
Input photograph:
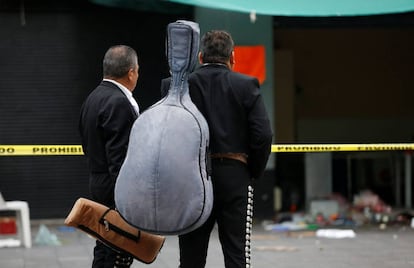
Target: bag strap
[116,229]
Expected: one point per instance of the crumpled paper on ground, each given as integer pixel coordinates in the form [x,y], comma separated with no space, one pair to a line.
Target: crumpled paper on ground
[335,233]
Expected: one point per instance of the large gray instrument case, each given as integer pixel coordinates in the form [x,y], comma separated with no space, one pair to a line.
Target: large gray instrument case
[163,186]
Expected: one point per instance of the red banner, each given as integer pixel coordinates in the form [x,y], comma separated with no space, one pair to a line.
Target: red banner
[250,60]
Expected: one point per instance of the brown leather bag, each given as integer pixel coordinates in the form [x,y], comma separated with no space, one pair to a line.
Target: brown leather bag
[107,225]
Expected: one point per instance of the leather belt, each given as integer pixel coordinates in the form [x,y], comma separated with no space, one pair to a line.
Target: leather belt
[235,156]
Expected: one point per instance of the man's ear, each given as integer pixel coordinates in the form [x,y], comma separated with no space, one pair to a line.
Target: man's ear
[232,60]
[130,74]
[200,58]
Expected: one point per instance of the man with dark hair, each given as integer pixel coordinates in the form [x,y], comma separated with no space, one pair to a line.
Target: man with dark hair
[106,119]
[240,143]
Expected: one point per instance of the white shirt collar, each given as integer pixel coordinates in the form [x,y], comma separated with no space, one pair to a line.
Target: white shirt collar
[122,87]
[126,92]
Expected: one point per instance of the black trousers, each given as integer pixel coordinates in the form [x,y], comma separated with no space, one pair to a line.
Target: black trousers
[105,257]
[102,191]
[231,180]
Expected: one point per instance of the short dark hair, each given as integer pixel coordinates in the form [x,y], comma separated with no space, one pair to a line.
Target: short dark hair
[216,46]
[118,60]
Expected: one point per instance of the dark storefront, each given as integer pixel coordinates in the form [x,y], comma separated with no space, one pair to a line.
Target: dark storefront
[51,55]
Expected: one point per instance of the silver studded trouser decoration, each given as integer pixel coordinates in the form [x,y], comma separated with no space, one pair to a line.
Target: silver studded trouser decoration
[249,226]
[123,261]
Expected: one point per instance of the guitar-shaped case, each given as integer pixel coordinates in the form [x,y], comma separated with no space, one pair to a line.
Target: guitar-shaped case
[163,186]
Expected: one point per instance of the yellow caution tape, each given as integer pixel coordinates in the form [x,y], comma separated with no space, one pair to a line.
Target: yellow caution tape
[40,150]
[46,150]
[295,148]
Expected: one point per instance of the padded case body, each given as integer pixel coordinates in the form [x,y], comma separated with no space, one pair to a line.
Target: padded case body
[163,186]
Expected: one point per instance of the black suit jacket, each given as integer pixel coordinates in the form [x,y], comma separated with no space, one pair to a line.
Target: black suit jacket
[106,119]
[234,109]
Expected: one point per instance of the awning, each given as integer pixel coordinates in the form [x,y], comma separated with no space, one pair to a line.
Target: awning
[307,7]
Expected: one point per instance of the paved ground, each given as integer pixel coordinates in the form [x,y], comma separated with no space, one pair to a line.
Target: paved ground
[372,247]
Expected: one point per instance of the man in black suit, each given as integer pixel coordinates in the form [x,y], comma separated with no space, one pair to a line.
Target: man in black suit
[106,119]
[240,143]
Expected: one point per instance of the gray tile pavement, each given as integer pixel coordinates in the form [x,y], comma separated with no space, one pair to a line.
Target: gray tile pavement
[372,247]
